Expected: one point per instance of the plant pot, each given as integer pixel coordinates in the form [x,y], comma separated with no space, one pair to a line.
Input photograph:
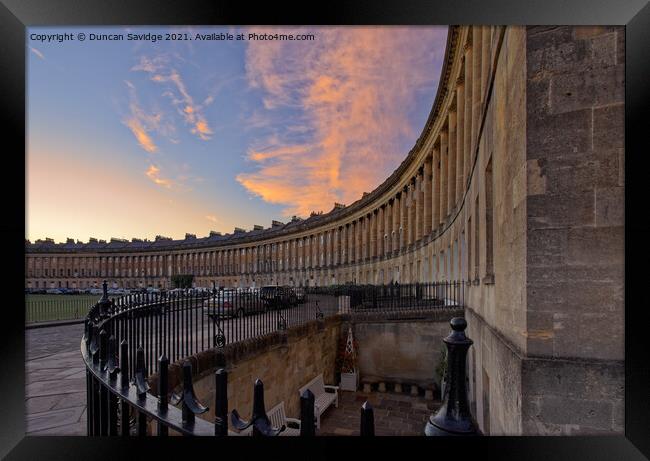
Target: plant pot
[349,381]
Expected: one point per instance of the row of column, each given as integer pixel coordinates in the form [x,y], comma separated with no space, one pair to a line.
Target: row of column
[419,208]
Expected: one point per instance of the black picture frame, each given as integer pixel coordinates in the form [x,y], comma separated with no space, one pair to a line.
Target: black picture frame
[16,15]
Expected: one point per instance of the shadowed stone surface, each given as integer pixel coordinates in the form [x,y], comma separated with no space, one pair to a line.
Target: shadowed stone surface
[55,393]
[395,414]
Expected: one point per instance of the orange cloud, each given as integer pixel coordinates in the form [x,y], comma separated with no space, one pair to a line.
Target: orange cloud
[354,90]
[140,134]
[162,72]
[36,52]
[153,173]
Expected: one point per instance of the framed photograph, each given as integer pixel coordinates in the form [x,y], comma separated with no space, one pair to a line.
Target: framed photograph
[214,198]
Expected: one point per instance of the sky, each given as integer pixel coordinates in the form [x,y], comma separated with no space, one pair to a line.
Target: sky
[138,138]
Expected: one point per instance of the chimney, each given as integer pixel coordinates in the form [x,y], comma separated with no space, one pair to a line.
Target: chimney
[258,227]
[276,224]
[215,234]
[190,236]
[239,230]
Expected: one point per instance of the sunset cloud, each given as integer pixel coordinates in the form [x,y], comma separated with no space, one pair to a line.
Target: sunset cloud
[36,52]
[153,173]
[353,93]
[212,218]
[140,133]
[162,71]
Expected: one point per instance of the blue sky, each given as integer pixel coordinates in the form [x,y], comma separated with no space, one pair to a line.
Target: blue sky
[135,139]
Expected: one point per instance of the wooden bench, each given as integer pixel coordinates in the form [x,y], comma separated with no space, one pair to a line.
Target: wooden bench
[322,398]
[278,417]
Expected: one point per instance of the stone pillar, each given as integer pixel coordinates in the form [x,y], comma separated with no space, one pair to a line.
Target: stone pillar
[394,244]
[403,219]
[451,162]
[388,217]
[380,230]
[460,143]
[426,227]
[410,211]
[476,83]
[443,176]
[435,186]
[359,240]
[372,251]
[468,155]
[417,232]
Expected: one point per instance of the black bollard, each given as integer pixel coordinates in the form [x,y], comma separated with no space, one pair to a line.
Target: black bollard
[454,416]
[163,388]
[367,420]
[307,420]
[221,403]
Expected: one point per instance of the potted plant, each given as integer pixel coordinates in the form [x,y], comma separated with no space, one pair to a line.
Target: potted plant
[347,363]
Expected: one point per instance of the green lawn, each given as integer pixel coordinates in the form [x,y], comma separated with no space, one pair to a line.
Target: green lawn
[43,308]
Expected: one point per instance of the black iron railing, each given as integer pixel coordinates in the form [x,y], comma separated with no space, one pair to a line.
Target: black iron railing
[127,339]
[395,298]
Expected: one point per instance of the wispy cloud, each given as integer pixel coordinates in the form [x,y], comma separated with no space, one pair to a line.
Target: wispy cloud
[153,173]
[37,52]
[212,218]
[161,71]
[140,133]
[353,91]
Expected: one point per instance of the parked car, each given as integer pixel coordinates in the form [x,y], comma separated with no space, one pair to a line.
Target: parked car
[278,297]
[232,304]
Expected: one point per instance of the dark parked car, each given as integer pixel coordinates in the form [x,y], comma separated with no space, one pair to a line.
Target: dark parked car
[279,297]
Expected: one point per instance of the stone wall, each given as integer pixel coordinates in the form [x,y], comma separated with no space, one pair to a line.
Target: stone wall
[284,363]
[548,352]
[402,351]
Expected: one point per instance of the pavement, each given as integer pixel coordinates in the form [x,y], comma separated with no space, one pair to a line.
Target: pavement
[55,393]
[395,414]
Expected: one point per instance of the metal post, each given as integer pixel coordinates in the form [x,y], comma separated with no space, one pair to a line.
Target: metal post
[163,389]
[124,381]
[454,416]
[221,403]
[307,424]
[367,420]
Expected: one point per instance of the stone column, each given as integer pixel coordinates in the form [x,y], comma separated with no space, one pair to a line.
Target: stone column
[426,226]
[460,111]
[476,83]
[380,231]
[372,252]
[417,201]
[451,161]
[388,219]
[394,228]
[468,155]
[403,220]
[435,186]
[443,176]
[358,243]
[410,216]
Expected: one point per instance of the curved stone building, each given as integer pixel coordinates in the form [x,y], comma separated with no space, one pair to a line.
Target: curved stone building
[515,184]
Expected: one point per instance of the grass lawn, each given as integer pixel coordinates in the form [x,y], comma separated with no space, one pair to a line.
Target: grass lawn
[43,308]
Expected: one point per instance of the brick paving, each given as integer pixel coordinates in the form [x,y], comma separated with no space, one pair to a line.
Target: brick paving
[395,414]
